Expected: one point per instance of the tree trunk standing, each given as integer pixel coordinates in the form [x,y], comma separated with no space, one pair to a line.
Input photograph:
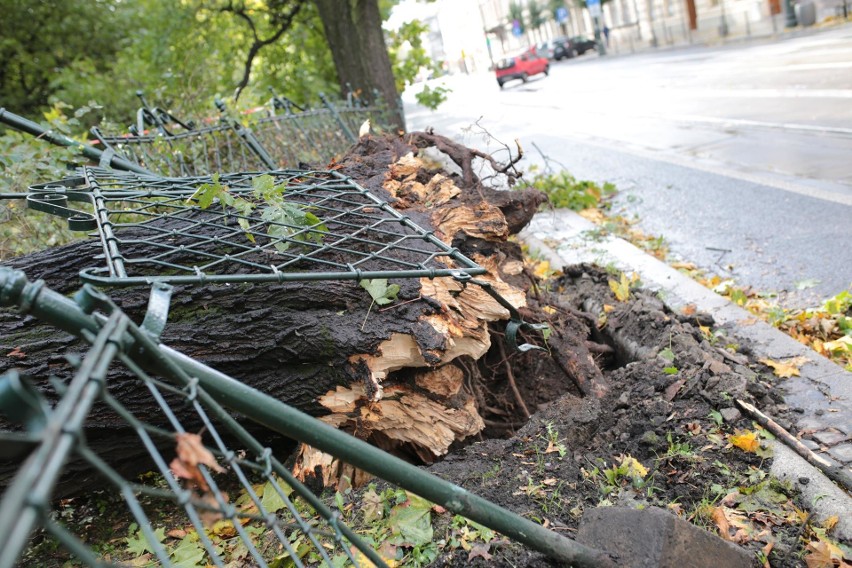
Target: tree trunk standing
[353,30]
[405,377]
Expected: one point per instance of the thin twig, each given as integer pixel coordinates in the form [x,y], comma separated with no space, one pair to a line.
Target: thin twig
[837,474]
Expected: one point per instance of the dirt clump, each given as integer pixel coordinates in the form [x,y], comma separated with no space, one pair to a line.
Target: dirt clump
[667,434]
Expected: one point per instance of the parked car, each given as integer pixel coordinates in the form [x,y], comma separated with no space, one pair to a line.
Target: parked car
[543,49]
[582,44]
[563,48]
[521,67]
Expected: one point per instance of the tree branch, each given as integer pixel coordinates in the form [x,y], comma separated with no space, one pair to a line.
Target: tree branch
[284,22]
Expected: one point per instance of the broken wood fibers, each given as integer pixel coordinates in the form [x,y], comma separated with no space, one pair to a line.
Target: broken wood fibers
[397,417]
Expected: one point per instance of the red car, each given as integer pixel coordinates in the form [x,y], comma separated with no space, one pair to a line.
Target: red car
[521,67]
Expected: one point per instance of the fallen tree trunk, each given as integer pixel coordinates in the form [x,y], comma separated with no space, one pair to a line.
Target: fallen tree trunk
[408,377]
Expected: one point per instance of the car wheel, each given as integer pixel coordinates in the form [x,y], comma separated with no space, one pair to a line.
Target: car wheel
[499,82]
[524,77]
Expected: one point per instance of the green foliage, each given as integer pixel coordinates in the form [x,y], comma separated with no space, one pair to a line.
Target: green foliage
[25,161]
[432,97]
[284,220]
[564,191]
[537,14]
[409,59]
[379,290]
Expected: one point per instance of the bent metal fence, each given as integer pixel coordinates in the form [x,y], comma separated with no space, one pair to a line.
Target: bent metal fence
[289,136]
[283,521]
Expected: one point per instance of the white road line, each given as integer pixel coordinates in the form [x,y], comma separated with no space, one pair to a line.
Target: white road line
[720,169]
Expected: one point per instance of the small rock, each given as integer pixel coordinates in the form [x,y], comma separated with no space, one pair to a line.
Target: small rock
[731,415]
[649,438]
[624,436]
[623,401]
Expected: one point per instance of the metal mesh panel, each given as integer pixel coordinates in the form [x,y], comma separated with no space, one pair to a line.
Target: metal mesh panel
[234,487]
[326,227]
[221,148]
[312,136]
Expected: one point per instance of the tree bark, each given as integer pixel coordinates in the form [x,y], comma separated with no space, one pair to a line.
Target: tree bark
[353,30]
[406,380]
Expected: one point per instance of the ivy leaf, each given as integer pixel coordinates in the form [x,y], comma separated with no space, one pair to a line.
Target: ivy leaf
[379,290]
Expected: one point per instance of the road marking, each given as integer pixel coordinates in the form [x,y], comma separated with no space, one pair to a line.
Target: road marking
[719,168]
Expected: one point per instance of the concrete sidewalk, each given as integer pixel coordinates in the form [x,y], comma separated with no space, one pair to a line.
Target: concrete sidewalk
[821,398]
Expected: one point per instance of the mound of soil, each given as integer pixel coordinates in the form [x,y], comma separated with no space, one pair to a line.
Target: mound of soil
[670,408]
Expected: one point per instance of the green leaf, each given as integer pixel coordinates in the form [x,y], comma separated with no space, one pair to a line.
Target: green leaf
[208,192]
[670,370]
[263,186]
[188,554]
[138,544]
[379,290]
[411,522]
[271,500]
[667,354]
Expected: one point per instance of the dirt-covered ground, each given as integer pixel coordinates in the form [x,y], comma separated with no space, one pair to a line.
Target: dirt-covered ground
[668,434]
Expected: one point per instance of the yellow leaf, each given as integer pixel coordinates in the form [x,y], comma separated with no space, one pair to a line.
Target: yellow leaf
[634,468]
[548,310]
[829,523]
[542,270]
[745,440]
[840,345]
[224,528]
[786,368]
[608,308]
[621,289]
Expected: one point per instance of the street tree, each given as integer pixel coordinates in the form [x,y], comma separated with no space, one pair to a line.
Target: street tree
[537,17]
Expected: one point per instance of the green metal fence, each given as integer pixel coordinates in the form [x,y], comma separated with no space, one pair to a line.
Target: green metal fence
[245,227]
[303,530]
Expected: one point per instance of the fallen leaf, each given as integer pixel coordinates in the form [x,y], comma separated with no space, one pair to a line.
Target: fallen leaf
[823,554]
[745,440]
[608,308]
[684,265]
[176,533]
[840,345]
[190,454]
[786,368]
[438,510]
[721,522]
[17,353]
[480,550]
[689,310]
[548,310]
[829,523]
[673,389]
[766,550]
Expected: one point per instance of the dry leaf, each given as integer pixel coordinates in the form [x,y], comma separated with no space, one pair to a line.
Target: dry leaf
[176,533]
[721,523]
[481,550]
[823,554]
[689,310]
[190,454]
[829,523]
[673,389]
[745,440]
[786,368]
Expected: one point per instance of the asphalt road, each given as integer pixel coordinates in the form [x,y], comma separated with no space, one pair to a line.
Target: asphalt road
[739,156]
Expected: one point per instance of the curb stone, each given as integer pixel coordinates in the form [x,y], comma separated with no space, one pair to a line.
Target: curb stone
[821,397]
